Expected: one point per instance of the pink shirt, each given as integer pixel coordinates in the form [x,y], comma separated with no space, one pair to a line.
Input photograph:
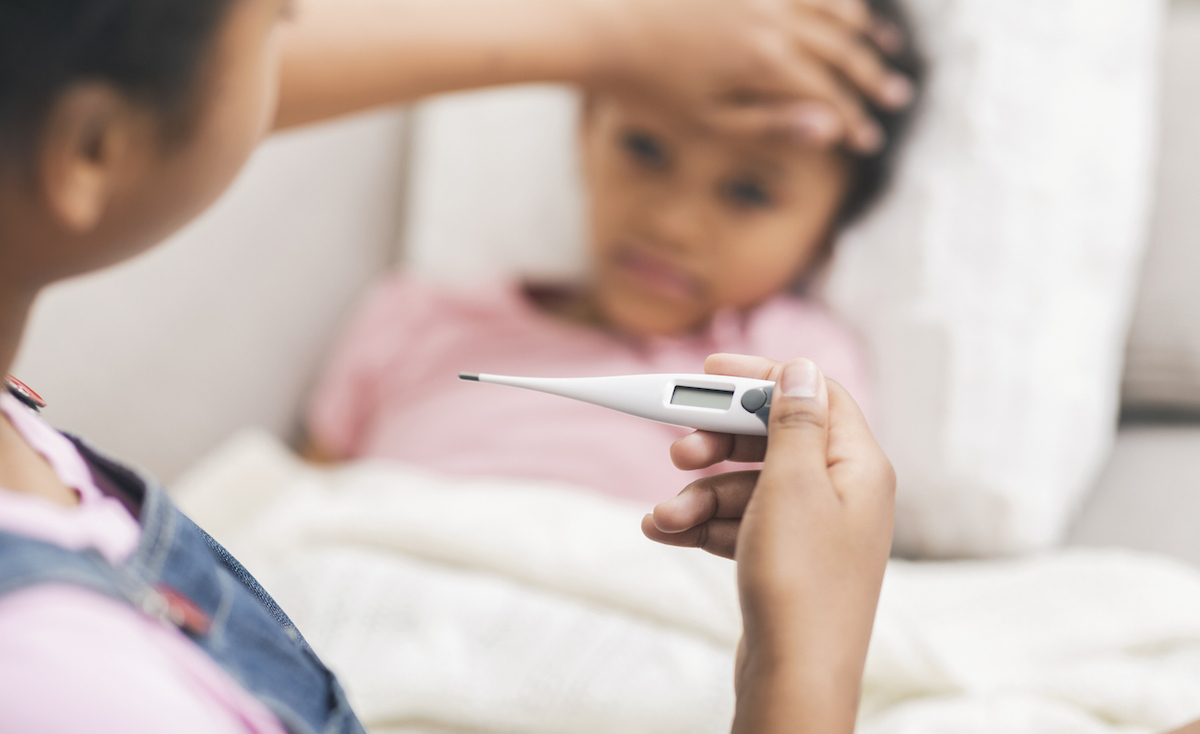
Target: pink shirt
[74,660]
[391,388]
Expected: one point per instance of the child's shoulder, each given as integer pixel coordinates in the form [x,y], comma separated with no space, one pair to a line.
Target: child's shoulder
[406,323]
[406,304]
[401,293]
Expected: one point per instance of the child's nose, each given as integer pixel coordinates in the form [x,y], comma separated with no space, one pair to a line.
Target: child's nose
[680,221]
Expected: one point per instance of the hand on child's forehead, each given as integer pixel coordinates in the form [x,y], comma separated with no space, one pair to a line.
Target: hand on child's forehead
[606,113]
[674,137]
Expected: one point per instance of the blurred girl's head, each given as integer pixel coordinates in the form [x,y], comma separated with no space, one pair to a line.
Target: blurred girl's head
[120,120]
[685,222]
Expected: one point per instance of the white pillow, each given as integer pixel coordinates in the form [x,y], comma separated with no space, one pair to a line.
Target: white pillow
[993,287]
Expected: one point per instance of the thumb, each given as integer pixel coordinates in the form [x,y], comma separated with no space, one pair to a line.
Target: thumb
[798,433]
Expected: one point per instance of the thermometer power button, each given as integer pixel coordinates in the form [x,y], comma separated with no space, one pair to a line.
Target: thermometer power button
[754,400]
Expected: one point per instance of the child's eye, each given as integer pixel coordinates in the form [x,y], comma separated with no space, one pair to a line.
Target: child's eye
[746,193]
[645,149]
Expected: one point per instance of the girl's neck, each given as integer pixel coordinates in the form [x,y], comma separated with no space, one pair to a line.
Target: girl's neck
[571,304]
[21,468]
[14,312]
[578,306]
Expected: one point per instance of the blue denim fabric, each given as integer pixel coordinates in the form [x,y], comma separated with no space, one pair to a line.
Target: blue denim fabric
[250,637]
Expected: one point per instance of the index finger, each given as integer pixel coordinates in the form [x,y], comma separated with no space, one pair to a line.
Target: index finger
[857,15]
[848,428]
[743,365]
[854,13]
[702,449]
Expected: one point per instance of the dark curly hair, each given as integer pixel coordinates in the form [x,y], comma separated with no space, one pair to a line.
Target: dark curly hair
[151,50]
[871,174]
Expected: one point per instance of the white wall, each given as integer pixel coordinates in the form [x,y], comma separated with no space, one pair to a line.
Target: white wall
[238,308]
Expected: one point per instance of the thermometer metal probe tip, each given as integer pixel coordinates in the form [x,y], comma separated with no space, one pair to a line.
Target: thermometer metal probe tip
[469,376]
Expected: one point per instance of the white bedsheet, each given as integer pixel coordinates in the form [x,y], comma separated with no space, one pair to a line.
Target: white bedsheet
[500,605]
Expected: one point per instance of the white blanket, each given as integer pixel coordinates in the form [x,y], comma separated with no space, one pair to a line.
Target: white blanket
[500,605]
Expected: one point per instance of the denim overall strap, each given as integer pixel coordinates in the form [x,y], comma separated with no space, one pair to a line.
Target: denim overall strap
[132,486]
[26,562]
[247,634]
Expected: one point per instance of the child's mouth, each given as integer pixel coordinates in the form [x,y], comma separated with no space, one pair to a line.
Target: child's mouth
[657,276]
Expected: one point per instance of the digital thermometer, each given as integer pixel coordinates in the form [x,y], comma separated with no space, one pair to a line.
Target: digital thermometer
[737,405]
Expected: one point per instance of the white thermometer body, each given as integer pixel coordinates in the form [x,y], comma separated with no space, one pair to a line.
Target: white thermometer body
[737,405]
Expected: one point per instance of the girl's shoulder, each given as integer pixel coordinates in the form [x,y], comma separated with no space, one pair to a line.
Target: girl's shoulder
[408,326]
[402,317]
[498,312]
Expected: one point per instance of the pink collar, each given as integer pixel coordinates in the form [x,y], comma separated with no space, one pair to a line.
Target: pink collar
[58,451]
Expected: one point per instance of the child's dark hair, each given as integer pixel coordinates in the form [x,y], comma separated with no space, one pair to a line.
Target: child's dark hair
[151,50]
[871,174]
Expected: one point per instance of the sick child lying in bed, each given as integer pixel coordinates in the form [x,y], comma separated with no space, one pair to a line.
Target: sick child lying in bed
[697,245]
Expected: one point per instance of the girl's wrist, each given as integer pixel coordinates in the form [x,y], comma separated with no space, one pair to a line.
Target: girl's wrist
[565,44]
[601,30]
[783,687]
[798,663]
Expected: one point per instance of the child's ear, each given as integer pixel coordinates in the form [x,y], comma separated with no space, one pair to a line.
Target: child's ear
[87,147]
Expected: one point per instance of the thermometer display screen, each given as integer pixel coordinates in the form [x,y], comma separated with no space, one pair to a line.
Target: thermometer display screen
[699,397]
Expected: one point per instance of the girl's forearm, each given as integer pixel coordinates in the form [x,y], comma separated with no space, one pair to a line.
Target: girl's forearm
[783,706]
[342,56]
[702,58]
[799,689]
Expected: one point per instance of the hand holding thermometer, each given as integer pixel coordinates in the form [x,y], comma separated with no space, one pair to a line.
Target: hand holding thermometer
[737,405]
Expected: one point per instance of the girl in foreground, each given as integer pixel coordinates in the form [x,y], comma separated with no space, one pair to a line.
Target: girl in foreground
[122,119]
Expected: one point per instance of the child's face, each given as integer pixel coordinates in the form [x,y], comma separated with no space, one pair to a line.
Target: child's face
[685,223]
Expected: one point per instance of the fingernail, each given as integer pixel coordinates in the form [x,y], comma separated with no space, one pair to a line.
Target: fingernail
[801,379]
[816,123]
[887,37]
[897,91]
